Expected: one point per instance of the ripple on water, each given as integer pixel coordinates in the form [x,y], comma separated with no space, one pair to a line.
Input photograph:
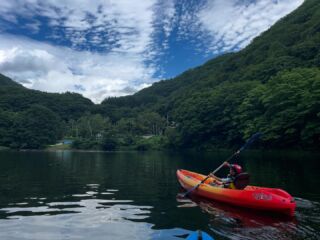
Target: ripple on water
[77,219]
[234,223]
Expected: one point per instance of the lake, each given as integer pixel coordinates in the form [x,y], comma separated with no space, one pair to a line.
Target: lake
[133,195]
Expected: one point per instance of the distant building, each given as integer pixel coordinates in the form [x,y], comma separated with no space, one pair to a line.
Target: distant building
[67,141]
[99,136]
[148,136]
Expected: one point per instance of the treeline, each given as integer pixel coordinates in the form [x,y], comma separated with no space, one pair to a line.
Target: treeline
[93,131]
[33,128]
[32,119]
[286,110]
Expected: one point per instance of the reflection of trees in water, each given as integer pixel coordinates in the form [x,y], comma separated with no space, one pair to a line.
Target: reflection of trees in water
[150,173]
[62,173]
[296,172]
[231,222]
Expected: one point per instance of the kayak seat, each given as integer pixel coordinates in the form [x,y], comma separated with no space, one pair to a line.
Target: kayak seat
[241,180]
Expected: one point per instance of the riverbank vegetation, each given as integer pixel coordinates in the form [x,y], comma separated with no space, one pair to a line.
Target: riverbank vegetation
[271,86]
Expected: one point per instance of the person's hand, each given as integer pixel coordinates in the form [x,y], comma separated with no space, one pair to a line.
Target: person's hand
[226,164]
[213,176]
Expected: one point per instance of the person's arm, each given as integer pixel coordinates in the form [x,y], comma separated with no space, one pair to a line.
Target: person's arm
[215,177]
[226,164]
[218,180]
[226,180]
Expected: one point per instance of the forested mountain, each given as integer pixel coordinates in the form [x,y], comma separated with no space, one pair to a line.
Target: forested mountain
[32,119]
[271,86]
[15,97]
[7,82]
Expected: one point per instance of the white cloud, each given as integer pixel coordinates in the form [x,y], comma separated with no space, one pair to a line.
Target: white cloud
[82,22]
[236,24]
[58,69]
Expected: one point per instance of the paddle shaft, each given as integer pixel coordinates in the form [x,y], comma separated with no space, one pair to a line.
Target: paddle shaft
[216,170]
[253,137]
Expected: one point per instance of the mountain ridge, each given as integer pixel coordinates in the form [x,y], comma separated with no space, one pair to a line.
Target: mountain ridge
[228,59]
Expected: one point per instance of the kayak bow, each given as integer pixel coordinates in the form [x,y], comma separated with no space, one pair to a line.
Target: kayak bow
[199,235]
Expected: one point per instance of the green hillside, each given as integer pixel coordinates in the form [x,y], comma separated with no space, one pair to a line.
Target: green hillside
[32,119]
[14,97]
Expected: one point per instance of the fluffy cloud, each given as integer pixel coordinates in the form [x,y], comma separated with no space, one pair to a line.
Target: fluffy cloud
[57,69]
[99,49]
[116,25]
[233,23]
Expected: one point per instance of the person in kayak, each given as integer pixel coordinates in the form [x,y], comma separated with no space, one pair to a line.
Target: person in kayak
[228,182]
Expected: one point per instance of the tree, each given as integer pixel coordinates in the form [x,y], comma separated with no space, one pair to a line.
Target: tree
[36,127]
[6,127]
[88,126]
[286,109]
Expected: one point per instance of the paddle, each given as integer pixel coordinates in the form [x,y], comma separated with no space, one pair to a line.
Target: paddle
[250,141]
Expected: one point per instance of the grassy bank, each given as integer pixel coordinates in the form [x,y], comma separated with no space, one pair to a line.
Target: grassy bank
[58,147]
[2,148]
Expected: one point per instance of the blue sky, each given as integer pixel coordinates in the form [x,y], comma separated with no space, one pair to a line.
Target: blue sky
[103,48]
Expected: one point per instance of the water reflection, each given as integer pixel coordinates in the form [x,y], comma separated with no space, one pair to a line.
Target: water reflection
[87,195]
[76,218]
[238,223]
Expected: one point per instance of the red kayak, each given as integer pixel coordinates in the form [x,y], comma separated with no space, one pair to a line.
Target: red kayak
[258,198]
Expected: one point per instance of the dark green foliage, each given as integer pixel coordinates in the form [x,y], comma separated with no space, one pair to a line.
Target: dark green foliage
[85,144]
[173,138]
[35,128]
[152,143]
[109,143]
[286,109]
[7,82]
[16,98]
[33,119]
[211,116]
[7,120]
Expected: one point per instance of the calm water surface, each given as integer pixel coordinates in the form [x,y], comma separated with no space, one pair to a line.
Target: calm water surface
[132,195]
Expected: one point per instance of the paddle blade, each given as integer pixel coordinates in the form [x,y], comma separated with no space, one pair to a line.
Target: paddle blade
[189,191]
[199,235]
[251,140]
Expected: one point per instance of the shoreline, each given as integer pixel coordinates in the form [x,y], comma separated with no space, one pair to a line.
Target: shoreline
[310,151]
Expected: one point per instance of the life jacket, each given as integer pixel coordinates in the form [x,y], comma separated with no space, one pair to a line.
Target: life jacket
[240,181]
[231,186]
